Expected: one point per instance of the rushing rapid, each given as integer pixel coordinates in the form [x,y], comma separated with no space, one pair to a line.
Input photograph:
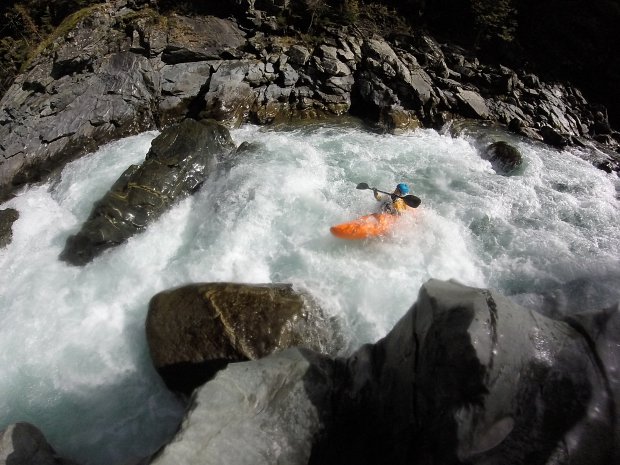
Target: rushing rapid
[74,360]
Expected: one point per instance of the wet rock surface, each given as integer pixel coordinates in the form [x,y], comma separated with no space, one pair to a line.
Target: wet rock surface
[177,164]
[196,330]
[466,376]
[120,71]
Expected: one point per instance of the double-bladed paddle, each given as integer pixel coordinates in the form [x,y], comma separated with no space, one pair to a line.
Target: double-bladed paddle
[411,200]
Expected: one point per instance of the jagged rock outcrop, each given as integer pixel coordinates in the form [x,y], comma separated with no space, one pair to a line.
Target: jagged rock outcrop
[123,68]
[466,376]
[24,444]
[196,330]
[177,164]
[8,216]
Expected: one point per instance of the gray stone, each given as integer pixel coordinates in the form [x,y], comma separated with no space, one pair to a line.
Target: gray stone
[288,75]
[276,404]
[229,98]
[474,104]
[8,216]
[81,113]
[298,55]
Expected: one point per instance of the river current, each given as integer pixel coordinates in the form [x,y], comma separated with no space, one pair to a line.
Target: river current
[73,355]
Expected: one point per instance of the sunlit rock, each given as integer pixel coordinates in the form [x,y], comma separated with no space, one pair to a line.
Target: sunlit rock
[257,413]
[466,376]
[195,330]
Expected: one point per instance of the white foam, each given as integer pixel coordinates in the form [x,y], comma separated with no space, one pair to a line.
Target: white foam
[73,353]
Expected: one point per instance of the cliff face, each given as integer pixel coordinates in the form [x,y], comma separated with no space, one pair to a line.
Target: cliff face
[121,69]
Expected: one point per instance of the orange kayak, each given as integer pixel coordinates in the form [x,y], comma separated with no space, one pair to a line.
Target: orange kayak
[377,224]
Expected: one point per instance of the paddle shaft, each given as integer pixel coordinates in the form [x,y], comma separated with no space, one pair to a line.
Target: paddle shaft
[410,200]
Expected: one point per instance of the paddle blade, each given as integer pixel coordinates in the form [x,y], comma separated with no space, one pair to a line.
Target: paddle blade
[412,201]
[362,186]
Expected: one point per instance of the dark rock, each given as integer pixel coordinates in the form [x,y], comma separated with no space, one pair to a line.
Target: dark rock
[499,384]
[298,55]
[601,123]
[504,158]
[397,120]
[196,330]
[181,87]
[466,376]
[8,216]
[177,164]
[602,330]
[25,444]
[553,137]
[200,39]
[607,165]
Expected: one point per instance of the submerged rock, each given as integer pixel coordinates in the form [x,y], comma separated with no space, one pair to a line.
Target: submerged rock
[504,157]
[178,163]
[196,330]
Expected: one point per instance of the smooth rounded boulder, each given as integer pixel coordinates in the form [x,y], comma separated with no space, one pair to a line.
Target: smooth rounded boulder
[195,330]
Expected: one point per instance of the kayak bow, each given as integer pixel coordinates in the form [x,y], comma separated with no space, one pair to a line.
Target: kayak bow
[375,225]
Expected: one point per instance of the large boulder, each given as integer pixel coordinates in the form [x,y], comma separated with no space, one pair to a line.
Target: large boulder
[497,383]
[177,164]
[469,377]
[262,412]
[466,376]
[196,330]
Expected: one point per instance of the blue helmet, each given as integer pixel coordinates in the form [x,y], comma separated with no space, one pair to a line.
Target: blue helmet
[403,188]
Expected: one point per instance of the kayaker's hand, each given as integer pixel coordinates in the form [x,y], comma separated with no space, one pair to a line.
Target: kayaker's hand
[376,193]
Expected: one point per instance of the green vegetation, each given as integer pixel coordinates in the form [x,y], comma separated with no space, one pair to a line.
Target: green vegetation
[494,20]
[28,28]
[67,25]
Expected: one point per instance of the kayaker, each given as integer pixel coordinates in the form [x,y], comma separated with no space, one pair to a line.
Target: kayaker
[393,204]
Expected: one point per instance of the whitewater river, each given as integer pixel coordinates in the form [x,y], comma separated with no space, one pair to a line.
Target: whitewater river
[73,356]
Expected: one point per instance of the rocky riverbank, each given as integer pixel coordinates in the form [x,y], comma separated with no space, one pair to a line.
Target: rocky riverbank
[466,376]
[123,68]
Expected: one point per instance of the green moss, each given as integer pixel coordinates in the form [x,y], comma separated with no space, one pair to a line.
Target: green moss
[148,14]
[67,25]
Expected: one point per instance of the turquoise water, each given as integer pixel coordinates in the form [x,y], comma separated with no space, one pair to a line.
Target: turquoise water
[73,354]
